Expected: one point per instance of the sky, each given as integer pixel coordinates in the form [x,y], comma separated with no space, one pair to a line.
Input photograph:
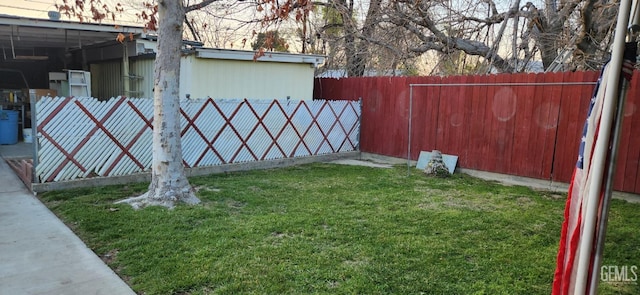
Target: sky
[40,9]
[28,8]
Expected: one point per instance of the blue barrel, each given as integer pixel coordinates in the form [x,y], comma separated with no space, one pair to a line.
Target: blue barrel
[8,127]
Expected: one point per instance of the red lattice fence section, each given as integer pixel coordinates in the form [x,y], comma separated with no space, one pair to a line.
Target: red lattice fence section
[84,137]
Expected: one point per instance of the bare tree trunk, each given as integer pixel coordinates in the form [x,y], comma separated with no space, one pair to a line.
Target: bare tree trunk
[514,42]
[355,65]
[169,184]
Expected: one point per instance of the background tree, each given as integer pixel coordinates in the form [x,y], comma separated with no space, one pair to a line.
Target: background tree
[225,24]
[341,17]
[169,184]
[484,35]
[270,41]
[368,36]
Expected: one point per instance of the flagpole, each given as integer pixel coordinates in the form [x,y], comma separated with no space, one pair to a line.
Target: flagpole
[615,143]
[608,191]
[600,151]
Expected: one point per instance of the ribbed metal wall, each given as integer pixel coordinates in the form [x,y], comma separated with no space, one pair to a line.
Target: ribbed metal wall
[236,79]
[203,77]
[106,79]
[143,86]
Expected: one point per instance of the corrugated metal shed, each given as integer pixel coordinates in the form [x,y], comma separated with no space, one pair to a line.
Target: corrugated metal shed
[106,79]
[216,73]
[234,74]
[141,77]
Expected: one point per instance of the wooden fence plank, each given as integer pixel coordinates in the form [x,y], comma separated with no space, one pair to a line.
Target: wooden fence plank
[444,112]
[402,113]
[494,148]
[524,127]
[453,118]
[427,104]
[369,119]
[466,121]
[507,119]
[548,118]
[568,124]
[476,140]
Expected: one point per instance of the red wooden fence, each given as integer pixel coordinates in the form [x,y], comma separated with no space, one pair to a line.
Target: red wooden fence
[518,124]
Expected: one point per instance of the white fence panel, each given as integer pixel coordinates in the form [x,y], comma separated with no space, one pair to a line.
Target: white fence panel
[84,137]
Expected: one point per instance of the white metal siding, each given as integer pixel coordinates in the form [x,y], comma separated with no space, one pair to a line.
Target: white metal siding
[203,77]
[143,86]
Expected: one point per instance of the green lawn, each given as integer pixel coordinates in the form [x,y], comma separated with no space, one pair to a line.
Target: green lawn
[333,229]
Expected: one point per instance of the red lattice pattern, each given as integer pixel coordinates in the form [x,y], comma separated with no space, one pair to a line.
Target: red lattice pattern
[83,137]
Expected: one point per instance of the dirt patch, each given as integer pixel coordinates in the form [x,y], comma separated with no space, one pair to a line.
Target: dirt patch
[277,238]
[234,204]
[457,201]
[333,284]
[110,256]
[429,191]
[205,188]
[361,163]
[470,204]
[557,196]
[279,235]
[356,262]
[524,202]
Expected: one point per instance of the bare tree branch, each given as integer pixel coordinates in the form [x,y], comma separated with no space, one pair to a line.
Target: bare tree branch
[200,5]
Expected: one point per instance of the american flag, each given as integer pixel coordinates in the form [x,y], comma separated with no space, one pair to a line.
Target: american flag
[575,211]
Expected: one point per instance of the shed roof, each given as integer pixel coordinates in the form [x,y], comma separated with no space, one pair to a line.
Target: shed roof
[18,32]
[284,57]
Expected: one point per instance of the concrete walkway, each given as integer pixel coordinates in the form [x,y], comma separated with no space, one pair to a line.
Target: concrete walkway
[39,254]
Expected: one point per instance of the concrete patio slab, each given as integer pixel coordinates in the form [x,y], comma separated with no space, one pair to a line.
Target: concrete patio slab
[39,254]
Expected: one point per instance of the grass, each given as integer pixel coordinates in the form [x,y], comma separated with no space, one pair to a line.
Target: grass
[331,229]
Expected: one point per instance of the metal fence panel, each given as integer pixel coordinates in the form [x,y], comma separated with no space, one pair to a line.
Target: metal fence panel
[84,137]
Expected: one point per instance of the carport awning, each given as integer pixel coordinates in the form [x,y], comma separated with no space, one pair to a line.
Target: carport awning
[28,33]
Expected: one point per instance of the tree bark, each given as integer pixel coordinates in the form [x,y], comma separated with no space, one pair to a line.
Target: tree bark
[169,184]
[354,64]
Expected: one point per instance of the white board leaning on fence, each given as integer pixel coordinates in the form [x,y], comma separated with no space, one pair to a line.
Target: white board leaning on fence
[449,160]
